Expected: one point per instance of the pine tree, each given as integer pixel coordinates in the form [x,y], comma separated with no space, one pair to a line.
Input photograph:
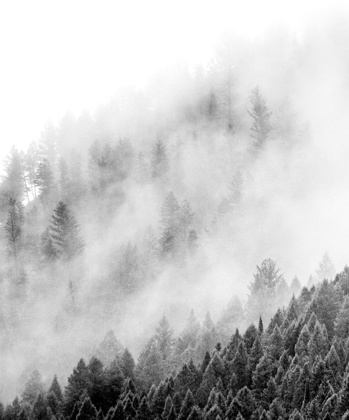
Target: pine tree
[13,232]
[187,406]
[77,383]
[109,349]
[326,305]
[149,369]
[249,337]
[167,408]
[53,403]
[341,325]
[164,338]
[30,163]
[275,344]
[189,336]
[246,401]
[33,387]
[159,160]
[295,286]
[261,301]
[170,226]
[56,389]
[195,414]
[239,366]
[113,380]
[231,318]
[208,337]
[129,271]
[326,269]
[40,409]
[261,127]
[144,412]
[44,181]
[87,411]
[127,364]
[48,143]
[301,347]
[13,185]
[64,232]
[48,251]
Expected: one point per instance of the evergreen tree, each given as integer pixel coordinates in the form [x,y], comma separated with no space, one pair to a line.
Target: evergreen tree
[168,407]
[341,325]
[56,389]
[249,337]
[78,381]
[326,305]
[261,301]
[231,318]
[170,225]
[87,411]
[109,349]
[276,344]
[14,232]
[195,414]
[164,338]
[64,232]
[261,127]
[113,383]
[12,185]
[149,369]
[30,163]
[48,251]
[44,181]
[239,366]
[144,412]
[326,269]
[159,160]
[189,336]
[295,286]
[127,364]
[40,410]
[187,406]
[33,387]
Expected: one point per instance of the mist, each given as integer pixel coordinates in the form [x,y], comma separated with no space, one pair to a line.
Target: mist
[292,209]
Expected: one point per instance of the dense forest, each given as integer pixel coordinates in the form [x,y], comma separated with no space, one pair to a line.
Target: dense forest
[295,368]
[131,222]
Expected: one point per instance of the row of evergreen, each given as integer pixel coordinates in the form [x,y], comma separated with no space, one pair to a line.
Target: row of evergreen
[296,368]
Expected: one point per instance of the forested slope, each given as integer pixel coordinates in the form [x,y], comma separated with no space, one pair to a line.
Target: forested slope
[163,201]
[294,368]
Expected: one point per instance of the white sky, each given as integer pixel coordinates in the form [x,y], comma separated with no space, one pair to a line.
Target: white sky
[60,55]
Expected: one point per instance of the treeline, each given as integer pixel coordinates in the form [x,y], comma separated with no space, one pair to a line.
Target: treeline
[294,368]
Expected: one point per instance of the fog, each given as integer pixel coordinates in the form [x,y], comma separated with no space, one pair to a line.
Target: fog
[293,209]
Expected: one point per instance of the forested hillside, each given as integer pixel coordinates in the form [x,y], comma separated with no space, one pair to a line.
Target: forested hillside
[294,368]
[157,209]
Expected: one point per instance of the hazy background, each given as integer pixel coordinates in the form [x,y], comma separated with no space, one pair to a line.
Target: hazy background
[74,55]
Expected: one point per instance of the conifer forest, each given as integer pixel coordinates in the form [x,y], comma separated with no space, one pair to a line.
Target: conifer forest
[164,258]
